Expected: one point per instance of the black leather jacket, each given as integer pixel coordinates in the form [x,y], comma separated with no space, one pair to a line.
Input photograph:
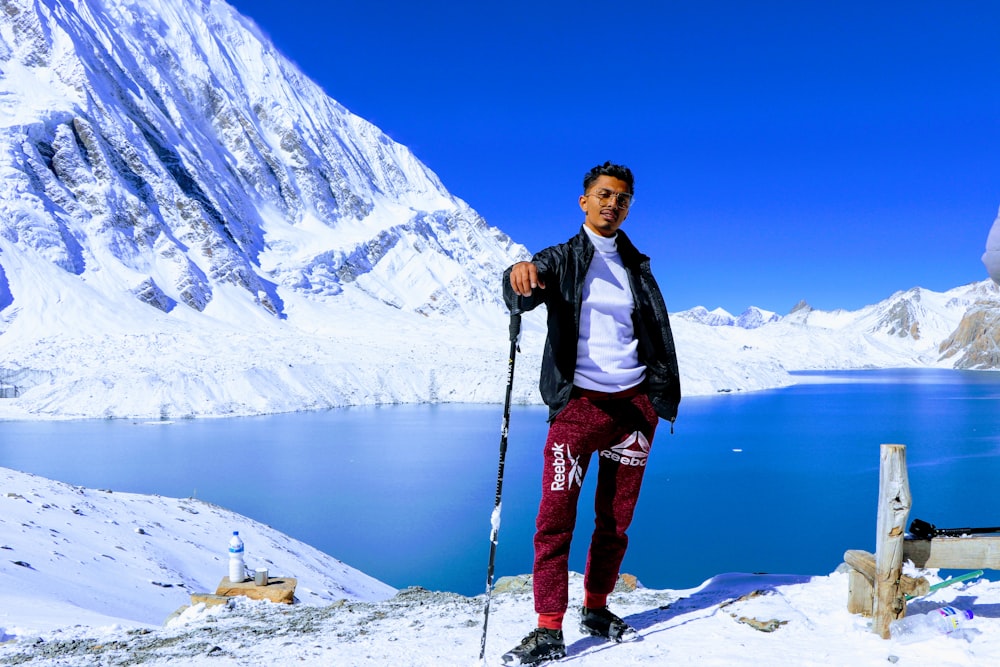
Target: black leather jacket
[562,269]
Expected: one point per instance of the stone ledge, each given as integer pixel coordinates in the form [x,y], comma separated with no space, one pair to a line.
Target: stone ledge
[210,599]
[279,589]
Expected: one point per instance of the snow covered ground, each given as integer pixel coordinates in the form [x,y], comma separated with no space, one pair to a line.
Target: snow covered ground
[96,358]
[91,577]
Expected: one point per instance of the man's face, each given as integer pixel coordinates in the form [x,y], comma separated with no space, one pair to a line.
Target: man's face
[603,212]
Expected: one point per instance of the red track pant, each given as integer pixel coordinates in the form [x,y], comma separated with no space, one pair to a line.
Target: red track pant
[621,431]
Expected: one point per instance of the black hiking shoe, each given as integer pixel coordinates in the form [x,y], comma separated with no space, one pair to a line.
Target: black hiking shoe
[602,623]
[541,645]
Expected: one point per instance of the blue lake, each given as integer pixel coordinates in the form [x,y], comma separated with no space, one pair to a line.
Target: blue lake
[780,481]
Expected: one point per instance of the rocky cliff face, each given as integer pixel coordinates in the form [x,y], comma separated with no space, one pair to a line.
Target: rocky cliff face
[975,344]
[163,149]
[902,318]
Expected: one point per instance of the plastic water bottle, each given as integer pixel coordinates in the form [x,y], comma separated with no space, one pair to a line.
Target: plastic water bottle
[237,569]
[918,627]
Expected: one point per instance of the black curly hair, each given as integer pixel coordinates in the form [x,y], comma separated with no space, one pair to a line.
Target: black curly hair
[619,171]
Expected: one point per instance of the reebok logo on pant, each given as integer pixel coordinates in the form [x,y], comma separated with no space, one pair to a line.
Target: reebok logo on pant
[632,451]
[566,468]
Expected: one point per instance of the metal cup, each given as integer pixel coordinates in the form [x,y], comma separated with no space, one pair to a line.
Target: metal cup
[260,576]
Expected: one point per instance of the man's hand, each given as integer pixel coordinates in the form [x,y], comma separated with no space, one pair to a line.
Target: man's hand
[524,278]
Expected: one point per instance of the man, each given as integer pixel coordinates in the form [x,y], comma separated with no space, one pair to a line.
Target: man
[609,371]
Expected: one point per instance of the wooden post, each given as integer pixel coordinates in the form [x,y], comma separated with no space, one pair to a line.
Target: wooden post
[894,503]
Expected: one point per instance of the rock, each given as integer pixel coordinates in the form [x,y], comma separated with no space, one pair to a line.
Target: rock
[522,583]
[627,583]
[977,338]
[769,625]
[210,599]
[280,589]
[516,584]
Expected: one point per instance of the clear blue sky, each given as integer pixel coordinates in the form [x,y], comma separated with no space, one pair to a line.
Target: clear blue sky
[829,151]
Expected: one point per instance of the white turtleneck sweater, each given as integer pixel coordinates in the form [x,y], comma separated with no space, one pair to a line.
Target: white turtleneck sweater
[606,354]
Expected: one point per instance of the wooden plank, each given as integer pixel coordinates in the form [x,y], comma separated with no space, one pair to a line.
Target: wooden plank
[974,552]
[859,593]
[894,503]
[864,563]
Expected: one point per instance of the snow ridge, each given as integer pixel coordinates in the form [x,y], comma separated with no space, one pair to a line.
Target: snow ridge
[751,318]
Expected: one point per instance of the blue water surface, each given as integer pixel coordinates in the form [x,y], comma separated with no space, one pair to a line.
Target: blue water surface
[780,481]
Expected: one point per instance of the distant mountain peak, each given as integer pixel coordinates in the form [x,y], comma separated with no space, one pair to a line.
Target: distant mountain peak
[754,317]
[751,318]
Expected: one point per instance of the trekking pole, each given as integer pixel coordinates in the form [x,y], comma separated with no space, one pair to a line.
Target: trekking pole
[515,332]
[948,582]
[922,530]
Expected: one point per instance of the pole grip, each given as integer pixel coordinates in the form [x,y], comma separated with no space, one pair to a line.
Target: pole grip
[515,326]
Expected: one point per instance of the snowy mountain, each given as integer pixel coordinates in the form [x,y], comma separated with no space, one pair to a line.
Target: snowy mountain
[189,226]
[754,317]
[176,195]
[713,318]
[164,150]
[751,318]
[912,328]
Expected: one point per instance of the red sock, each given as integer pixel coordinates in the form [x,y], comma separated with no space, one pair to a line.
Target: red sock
[551,621]
[592,601]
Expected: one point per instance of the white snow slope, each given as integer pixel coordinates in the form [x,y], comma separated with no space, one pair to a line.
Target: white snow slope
[81,585]
[189,226]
